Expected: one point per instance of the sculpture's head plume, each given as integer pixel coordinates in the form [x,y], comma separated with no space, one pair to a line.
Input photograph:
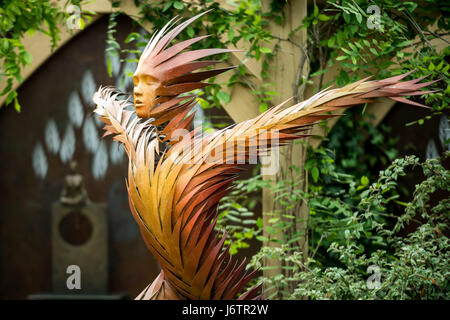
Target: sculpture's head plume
[163,73]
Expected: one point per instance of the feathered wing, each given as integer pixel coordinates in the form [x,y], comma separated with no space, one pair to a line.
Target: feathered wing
[199,172]
[121,122]
[174,199]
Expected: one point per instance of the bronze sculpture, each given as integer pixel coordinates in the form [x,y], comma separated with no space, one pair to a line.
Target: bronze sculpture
[174,184]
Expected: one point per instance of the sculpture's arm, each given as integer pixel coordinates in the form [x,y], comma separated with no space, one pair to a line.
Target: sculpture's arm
[126,127]
[278,126]
[192,179]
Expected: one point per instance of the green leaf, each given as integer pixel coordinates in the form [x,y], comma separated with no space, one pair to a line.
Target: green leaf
[223,96]
[318,73]
[346,51]
[262,238]
[132,36]
[16,104]
[364,180]
[167,6]
[353,47]
[248,235]
[10,97]
[5,44]
[273,220]
[178,5]
[331,42]
[81,23]
[259,222]
[431,66]
[323,17]
[27,57]
[204,104]
[109,66]
[31,31]
[410,5]
[315,174]
[263,107]
[190,31]
[404,43]
[265,50]
[231,34]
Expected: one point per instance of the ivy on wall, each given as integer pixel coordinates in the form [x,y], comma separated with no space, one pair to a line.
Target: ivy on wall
[19,18]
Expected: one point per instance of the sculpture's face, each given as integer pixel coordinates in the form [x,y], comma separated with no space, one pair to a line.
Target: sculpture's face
[145,93]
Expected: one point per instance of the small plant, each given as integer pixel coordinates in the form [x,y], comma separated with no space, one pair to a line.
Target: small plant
[236,217]
[392,266]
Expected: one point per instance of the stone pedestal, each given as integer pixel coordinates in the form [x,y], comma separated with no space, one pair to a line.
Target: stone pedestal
[79,238]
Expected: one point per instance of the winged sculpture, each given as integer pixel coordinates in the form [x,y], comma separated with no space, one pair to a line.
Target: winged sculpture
[177,175]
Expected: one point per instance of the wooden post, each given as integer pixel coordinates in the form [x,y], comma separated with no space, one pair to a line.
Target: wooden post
[283,74]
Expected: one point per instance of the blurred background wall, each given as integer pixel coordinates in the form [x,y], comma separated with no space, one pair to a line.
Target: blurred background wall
[55,126]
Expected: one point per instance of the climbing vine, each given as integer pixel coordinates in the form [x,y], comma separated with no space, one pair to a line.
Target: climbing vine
[19,18]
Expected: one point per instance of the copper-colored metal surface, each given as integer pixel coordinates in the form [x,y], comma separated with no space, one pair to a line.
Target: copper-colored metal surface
[164,73]
[174,193]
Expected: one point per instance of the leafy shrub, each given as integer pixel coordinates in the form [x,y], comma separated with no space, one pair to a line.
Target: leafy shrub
[415,266]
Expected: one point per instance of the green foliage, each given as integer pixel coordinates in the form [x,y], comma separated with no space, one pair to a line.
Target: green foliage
[415,266]
[236,218]
[17,18]
[112,46]
[364,145]
[405,39]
